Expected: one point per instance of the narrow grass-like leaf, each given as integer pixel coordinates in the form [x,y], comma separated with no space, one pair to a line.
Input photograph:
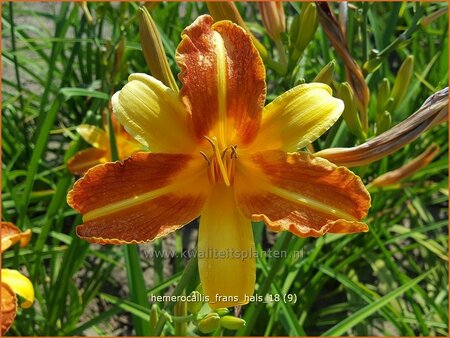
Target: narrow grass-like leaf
[360,315]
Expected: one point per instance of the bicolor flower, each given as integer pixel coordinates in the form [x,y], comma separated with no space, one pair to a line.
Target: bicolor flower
[101,151]
[218,153]
[13,283]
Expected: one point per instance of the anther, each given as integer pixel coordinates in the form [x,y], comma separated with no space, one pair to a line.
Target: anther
[209,140]
[223,153]
[206,158]
[233,151]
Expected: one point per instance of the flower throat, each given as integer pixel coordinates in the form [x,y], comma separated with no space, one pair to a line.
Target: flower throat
[221,164]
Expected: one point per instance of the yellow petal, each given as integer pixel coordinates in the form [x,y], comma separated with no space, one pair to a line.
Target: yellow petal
[153,114]
[20,284]
[85,159]
[8,306]
[226,251]
[10,235]
[96,137]
[298,117]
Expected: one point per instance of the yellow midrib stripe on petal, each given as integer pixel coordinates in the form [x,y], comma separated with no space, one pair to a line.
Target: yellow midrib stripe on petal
[310,203]
[221,87]
[128,203]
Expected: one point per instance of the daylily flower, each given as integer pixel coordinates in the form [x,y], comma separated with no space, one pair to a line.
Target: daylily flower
[12,281]
[216,151]
[11,235]
[101,151]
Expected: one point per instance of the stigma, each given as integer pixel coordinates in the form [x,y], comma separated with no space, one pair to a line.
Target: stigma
[221,164]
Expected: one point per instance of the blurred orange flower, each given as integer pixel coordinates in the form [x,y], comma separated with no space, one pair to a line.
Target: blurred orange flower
[98,138]
[12,281]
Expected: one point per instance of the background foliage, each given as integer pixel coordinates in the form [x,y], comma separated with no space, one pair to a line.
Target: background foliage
[59,70]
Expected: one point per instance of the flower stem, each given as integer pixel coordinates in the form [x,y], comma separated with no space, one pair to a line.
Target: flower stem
[281,52]
[277,67]
[179,319]
[188,273]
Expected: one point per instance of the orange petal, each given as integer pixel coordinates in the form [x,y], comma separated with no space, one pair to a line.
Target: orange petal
[9,307]
[145,197]
[300,193]
[10,235]
[85,159]
[223,80]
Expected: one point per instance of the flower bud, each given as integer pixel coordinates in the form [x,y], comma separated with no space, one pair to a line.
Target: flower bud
[389,104]
[353,72]
[294,30]
[384,122]
[350,113]
[120,50]
[373,64]
[194,305]
[402,80]
[154,316]
[180,311]
[209,323]
[273,18]
[222,311]
[153,50]
[308,23]
[326,74]
[433,16]
[232,323]
[405,171]
[151,5]
[383,94]
[433,112]
[86,12]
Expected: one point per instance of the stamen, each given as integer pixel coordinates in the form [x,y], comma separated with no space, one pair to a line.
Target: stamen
[206,158]
[209,140]
[223,153]
[233,151]
[221,166]
[230,167]
[219,160]
[223,171]
[211,173]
